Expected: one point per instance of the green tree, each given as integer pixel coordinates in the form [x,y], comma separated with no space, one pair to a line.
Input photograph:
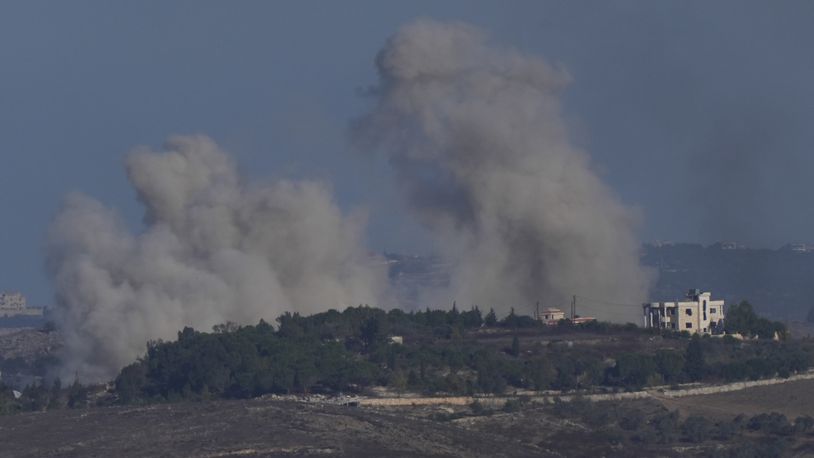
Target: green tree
[130,382]
[696,428]
[666,426]
[803,424]
[398,381]
[670,364]
[472,318]
[566,378]
[695,366]
[77,395]
[632,370]
[490,319]
[55,400]
[540,374]
[373,331]
[741,318]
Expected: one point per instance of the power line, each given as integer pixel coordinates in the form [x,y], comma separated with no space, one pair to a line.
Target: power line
[609,303]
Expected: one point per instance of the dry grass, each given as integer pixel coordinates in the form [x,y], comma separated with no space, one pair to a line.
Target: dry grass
[792,399]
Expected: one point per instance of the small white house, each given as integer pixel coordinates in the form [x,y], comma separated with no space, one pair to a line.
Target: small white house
[551,316]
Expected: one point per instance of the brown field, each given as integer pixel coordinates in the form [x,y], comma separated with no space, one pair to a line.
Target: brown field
[792,399]
[245,428]
[272,427]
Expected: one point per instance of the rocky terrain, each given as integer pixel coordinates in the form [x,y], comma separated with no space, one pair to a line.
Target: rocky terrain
[279,426]
[246,428]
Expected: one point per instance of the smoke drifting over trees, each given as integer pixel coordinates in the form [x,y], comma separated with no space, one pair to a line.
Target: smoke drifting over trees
[214,250]
[479,145]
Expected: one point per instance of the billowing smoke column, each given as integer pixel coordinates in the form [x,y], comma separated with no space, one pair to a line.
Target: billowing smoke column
[478,142]
[214,250]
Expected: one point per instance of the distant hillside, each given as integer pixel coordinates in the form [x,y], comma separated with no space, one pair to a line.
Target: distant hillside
[778,282]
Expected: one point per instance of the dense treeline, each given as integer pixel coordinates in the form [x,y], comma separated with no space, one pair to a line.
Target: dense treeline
[742,319]
[326,352]
[248,361]
[443,351]
[437,351]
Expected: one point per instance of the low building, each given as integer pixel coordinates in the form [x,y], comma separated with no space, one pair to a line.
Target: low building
[551,316]
[14,304]
[583,319]
[12,301]
[698,314]
[398,340]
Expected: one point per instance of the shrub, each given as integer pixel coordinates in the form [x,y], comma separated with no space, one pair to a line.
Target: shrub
[670,364]
[476,407]
[771,423]
[631,370]
[726,430]
[695,429]
[666,426]
[511,405]
[632,420]
[695,366]
[803,424]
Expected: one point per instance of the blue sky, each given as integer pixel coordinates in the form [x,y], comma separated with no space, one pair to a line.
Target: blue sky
[697,113]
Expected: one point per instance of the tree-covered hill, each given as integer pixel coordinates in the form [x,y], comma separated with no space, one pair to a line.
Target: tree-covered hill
[437,351]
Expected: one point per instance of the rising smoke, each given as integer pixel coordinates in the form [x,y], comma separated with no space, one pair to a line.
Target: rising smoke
[476,137]
[214,249]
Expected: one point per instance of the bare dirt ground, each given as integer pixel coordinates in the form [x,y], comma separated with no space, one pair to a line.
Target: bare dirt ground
[792,399]
[279,428]
[246,428]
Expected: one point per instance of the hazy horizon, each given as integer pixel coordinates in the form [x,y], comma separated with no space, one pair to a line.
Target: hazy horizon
[692,113]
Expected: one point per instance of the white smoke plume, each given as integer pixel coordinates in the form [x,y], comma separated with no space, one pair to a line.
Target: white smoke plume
[477,138]
[214,249]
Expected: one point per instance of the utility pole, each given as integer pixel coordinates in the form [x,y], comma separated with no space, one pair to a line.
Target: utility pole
[573,307]
[537,311]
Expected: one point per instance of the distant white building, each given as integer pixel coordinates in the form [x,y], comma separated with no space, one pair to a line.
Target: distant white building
[14,304]
[12,301]
[398,340]
[551,316]
[698,314]
[798,248]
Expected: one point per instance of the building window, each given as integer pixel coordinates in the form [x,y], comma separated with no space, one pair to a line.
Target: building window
[673,311]
[688,312]
[688,325]
[712,310]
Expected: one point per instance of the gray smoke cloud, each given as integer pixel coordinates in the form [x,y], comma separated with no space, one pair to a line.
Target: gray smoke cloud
[477,139]
[214,249]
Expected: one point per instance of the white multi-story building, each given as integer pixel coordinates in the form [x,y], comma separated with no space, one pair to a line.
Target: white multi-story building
[14,304]
[698,314]
[12,301]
